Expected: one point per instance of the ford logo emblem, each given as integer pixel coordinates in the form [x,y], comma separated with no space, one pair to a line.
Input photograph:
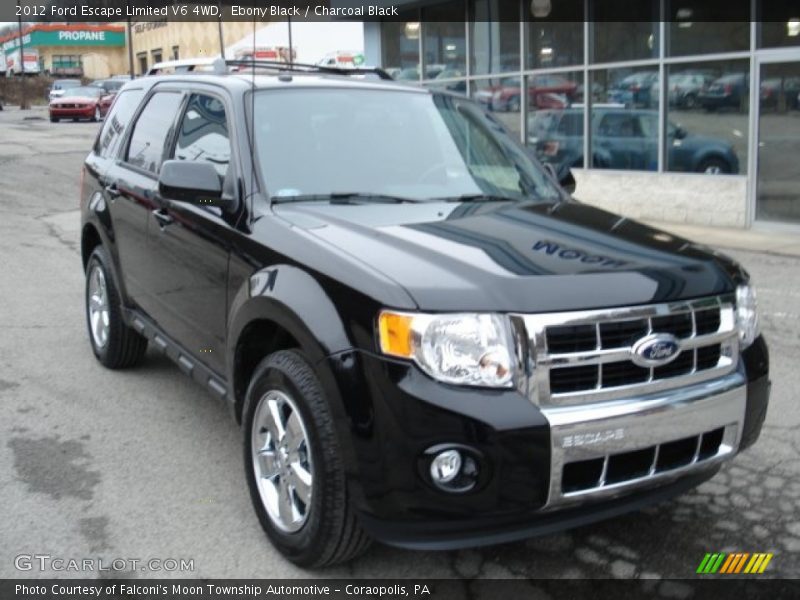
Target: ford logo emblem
[655,350]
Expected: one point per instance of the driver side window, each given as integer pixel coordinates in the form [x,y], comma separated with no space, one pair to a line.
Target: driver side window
[203,134]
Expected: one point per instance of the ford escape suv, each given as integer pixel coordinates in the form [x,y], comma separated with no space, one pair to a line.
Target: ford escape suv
[425,339]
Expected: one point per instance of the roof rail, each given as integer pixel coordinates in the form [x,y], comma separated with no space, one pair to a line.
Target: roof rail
[307,68]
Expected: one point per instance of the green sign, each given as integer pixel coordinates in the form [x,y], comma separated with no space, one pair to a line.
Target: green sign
[67,37]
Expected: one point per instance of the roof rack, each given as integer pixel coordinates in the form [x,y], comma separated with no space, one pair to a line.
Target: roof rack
[305,68]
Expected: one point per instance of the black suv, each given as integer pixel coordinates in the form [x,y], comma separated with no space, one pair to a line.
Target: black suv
[425,339]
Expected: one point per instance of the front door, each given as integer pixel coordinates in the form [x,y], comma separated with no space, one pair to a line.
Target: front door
[188,245]
[778,183]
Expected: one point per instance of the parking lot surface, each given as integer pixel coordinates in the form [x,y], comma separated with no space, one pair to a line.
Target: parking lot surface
[146,464]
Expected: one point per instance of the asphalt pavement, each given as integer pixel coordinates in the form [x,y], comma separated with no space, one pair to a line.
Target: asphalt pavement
[145,464]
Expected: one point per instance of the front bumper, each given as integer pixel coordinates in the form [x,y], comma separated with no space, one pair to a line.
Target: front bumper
[72,113]
[394,413]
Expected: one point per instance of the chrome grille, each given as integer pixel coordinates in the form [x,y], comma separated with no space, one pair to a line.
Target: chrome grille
[634,466]
[585,356]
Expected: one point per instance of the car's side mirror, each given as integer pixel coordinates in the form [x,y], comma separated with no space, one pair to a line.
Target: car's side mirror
[680,133]
[196,182]
[567,182]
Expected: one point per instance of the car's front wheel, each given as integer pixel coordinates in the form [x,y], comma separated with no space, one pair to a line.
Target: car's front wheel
[115,345]
[294,467]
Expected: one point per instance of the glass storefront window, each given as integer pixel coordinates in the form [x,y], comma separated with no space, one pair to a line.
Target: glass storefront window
[400,45]
[707,117]
[779,24]
[494,37]
[444,43]
[501,95]
[555,119]
[706,26]
[555,37]
[779,143]
[633,39]
[625,124]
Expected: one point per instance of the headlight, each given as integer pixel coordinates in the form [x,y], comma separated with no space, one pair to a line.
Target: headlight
[746,314]
[460,348]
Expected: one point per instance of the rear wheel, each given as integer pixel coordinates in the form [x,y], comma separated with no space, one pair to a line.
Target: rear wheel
[714,166]
[54,119]
[115,345]
[294,467]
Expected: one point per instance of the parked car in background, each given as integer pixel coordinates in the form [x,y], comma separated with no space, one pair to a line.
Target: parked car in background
[625,139]
[59,85]
[684,88]
[772,90]
[85,102]
[729,91]
[544,91]
[110,86]
[634,90]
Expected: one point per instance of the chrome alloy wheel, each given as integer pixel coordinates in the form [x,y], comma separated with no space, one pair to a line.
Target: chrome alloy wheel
[282,461]
[98,306]
[713,170]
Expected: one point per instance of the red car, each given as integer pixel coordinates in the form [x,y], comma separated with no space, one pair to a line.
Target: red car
[84,102]
[544,91]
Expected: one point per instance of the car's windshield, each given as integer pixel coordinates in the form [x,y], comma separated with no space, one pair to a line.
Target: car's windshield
[83,91]
[403,144]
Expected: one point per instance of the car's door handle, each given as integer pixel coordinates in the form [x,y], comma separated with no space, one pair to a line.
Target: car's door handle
[163,217]
[113,191]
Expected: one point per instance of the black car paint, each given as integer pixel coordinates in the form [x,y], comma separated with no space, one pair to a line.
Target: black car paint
[322,273]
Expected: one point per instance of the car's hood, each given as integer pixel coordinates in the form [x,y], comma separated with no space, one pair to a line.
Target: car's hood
[516,257]
[74,100]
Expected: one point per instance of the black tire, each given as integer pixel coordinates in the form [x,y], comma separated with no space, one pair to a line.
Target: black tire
[331,533]
[714,165]
[513,104]
[689,101]
[54,119]
[125,347]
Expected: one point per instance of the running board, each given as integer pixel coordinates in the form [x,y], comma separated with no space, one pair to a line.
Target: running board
[185,361]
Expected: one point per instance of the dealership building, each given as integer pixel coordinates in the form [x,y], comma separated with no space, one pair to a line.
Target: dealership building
[693,119]
[68,49]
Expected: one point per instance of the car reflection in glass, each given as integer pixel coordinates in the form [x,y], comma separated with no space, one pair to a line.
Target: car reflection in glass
[625,139]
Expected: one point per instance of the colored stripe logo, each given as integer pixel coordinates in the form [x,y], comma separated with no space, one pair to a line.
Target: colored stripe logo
[734,563]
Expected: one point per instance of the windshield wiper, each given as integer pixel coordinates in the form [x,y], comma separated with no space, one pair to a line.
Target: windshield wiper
[477,198]
[343,198]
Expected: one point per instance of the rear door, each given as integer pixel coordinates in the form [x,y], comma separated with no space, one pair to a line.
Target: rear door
[188,244]
[132,183]
[100,166]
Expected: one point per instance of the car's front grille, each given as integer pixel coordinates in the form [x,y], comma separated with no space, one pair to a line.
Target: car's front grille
[587,356]
[636,465]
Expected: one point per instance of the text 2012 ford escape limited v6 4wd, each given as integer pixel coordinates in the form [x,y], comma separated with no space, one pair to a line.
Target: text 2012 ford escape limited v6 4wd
[425,339]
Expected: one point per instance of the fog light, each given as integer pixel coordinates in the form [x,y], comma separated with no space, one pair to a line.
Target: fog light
[445,466]
[452,467]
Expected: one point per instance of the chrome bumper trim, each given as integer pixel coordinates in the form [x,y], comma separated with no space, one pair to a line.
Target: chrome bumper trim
[597,431]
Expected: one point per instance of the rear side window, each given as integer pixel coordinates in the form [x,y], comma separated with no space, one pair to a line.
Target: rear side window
[146,148]
[203,133]
[117,122]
